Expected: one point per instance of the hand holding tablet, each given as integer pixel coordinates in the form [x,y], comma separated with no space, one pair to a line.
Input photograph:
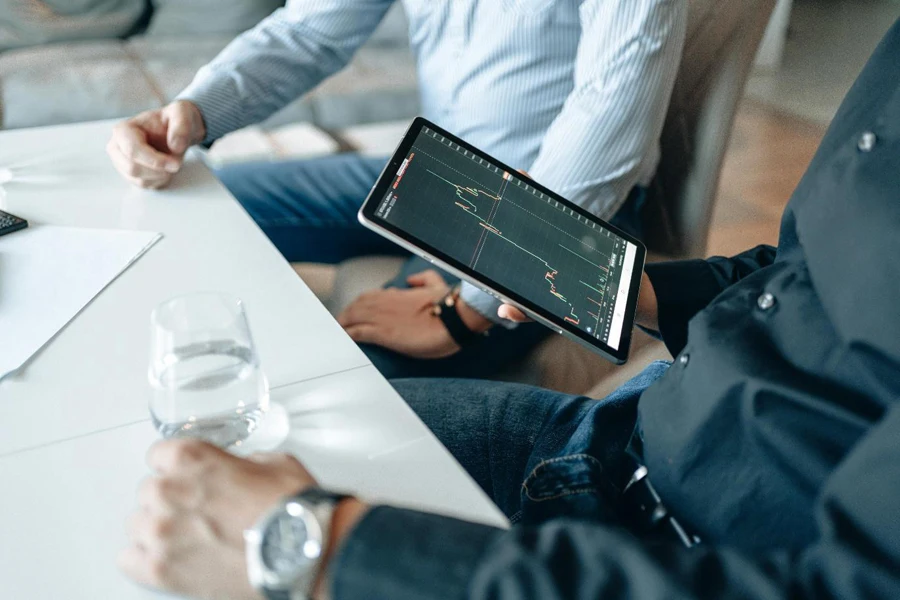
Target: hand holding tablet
[472,215]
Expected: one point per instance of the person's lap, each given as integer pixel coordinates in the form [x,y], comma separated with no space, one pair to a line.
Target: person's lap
[308,209]
[539,454]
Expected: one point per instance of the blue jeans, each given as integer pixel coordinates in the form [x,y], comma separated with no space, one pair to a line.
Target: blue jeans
[538,454]
[308,209]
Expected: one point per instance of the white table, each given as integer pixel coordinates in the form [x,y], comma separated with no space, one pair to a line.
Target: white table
[75,425]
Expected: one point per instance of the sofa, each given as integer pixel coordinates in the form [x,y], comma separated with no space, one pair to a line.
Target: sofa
[67,61]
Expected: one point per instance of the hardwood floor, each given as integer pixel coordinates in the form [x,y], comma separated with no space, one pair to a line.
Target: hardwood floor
[767,156]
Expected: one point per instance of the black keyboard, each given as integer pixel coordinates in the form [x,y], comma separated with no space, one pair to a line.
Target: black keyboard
[10,223]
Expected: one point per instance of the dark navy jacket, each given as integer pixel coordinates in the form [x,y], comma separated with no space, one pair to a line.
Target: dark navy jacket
[775,435]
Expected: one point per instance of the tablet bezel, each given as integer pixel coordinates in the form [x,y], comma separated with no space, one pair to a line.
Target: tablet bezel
[369,219]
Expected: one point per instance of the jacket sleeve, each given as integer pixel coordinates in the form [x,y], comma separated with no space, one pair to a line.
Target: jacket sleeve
[683,288]
[405,555]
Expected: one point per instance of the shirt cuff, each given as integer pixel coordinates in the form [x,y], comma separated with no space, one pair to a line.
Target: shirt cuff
[683,288]
[485,305]
[216,100]
[398,554]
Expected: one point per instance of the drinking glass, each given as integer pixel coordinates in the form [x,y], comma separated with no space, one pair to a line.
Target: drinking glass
[204,369]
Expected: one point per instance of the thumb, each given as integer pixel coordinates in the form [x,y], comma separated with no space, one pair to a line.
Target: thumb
[365,334]
[511,313]
[425,278]
[178,136]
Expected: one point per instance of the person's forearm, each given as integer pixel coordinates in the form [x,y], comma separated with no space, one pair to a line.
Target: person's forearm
[601,144]
[479,304]
[285,56]
[473,319]
[647,314]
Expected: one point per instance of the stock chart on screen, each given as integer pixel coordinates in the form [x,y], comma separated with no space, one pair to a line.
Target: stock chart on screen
[500,226]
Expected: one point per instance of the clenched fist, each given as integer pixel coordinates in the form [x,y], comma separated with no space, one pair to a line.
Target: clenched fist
[149,149]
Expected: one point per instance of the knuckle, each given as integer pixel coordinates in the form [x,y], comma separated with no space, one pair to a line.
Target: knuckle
[128,151]
[162,528]
[159,570]
[188,453]
[154,490]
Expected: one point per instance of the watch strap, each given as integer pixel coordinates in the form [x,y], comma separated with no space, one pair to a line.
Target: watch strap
[320,496]
[321,504]
[276,594]
[447,312]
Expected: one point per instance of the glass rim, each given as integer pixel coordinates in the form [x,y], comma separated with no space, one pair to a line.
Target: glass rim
[229,298]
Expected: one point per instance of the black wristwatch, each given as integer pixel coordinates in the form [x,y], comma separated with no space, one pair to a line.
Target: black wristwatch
[446,310]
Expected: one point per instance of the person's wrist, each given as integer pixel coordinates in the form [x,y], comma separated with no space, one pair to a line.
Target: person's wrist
[471,318]
[345,517]
[647,314]
[199,123]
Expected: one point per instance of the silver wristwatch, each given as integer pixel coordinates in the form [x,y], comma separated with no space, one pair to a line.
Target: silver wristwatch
[284,549]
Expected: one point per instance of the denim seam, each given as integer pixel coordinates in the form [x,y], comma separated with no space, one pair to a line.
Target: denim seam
[543,463]
[577,492]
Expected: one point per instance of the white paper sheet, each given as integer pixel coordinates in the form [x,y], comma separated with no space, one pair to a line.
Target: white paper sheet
[49,274]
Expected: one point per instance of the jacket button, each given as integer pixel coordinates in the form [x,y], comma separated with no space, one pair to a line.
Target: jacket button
[766,301]
[684,359]
[867,142]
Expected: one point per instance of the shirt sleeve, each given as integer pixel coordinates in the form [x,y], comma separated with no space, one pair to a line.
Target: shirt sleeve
[609,128]
[285,56]
[685,287]
[403,555]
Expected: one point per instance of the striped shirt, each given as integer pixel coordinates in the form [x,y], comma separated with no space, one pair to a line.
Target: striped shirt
[574,91]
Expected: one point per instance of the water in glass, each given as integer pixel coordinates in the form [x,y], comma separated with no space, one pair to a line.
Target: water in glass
[205,372]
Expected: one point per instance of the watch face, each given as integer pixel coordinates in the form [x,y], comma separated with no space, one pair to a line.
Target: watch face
[287,546]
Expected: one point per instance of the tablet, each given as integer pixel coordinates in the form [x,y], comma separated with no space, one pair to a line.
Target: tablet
[479,219]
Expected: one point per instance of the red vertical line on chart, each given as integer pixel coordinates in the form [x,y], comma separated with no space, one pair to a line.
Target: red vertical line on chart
[550,274]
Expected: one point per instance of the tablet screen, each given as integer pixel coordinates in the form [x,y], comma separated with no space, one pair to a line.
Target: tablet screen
[506,230]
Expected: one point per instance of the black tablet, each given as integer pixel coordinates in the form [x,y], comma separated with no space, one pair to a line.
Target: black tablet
[470,214]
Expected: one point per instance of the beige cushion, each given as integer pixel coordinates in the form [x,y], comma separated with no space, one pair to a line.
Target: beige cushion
[68,83]
[170,64]
[33,22]
[566,366]
[196,17]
